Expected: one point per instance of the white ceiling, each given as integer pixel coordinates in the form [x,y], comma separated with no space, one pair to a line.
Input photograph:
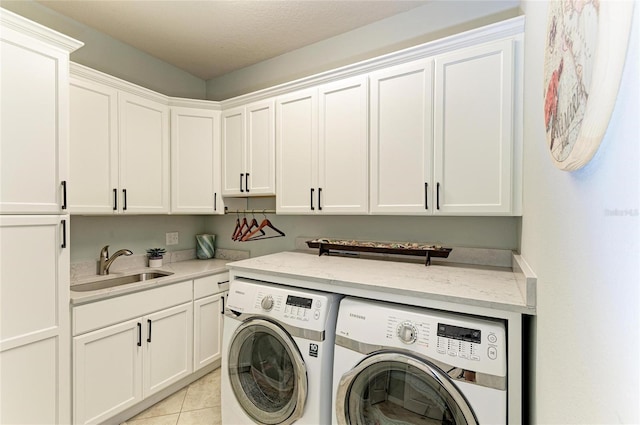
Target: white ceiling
[209,38]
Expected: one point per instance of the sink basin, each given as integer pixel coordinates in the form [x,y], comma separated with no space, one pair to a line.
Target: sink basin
[117,281]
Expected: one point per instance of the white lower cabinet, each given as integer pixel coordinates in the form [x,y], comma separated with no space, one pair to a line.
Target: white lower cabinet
[118,366]
[34,320]
[127,348]
[207,330]
[208,309]
[107,372]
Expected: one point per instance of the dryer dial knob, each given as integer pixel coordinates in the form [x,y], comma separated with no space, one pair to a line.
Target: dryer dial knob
[407,332]
[267,302]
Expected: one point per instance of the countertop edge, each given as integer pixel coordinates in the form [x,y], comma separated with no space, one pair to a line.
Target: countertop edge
[182,270]
[524,279]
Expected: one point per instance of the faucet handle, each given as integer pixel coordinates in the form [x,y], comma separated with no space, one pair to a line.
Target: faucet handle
[104,252]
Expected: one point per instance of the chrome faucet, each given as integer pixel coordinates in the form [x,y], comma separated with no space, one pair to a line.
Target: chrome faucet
[105,261]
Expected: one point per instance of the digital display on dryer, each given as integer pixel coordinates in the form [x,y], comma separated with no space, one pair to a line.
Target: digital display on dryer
[462,334]
[299,301]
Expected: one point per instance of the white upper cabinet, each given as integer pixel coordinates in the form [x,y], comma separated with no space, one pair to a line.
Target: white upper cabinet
[474,126]
[401,139]
[94,148]
[144,155]
[34,78]
[296,145]
[195,161]
[119,149]
[321,137]
[248,150]
[451,149]
[343,151]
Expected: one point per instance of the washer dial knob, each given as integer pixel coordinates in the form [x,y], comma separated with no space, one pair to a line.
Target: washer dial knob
[407,332]
[267,303]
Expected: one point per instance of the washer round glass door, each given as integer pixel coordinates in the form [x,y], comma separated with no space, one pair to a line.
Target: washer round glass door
[267,373]
[396,388]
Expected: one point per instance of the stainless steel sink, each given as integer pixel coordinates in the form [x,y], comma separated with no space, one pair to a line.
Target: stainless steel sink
[117,281]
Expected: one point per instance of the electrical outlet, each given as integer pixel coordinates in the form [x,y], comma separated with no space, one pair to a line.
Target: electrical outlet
[172,238]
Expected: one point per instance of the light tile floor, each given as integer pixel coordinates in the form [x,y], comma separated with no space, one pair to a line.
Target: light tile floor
[197,404]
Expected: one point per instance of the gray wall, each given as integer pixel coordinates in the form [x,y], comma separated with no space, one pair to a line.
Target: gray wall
[435,20]
[586,333]
[113,57]
[137,233]
[483,232]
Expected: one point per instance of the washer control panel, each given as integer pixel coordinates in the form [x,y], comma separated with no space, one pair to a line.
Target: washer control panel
[463,341]
[407,332]
[466,343]
[305,309]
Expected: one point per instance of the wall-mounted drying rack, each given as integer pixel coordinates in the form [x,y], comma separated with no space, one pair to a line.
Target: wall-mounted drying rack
[246,231]
[249,211]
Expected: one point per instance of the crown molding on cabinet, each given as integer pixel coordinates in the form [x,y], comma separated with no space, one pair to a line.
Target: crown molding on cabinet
[18,23]
[91,74]
[507,28]
[503,29]
[194,103]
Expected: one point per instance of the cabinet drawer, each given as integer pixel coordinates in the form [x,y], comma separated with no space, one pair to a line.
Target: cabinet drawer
[97,315]
[209,285]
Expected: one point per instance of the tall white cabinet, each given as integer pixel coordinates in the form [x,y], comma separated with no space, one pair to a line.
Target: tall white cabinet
[322,145]
[34,301]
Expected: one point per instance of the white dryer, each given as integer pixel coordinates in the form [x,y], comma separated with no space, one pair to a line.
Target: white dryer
[277,354]
[401,365]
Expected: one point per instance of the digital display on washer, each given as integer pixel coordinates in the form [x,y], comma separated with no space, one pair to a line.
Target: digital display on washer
[456,332]
[299,301]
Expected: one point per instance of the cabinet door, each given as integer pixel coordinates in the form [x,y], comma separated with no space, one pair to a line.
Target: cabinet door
[195,161]
[34,320]
[33,125]
[207,330]
[169,347]
[233,151]
[260,149]
[343,147]
[107,375]
[474,130]
[93,168]
[144,155]
[401,139]
[297,146]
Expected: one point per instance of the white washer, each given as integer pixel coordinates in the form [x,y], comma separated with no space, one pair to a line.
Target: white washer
[405,365]
[277,354]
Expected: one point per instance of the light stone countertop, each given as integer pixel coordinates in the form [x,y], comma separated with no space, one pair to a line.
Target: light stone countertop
[182,270]
[502,288]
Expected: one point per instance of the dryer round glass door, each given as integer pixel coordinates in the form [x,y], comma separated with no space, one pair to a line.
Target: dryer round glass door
[397,388]
[267,373]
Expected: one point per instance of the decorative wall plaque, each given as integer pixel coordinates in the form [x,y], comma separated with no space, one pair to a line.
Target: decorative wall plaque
[586,47]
